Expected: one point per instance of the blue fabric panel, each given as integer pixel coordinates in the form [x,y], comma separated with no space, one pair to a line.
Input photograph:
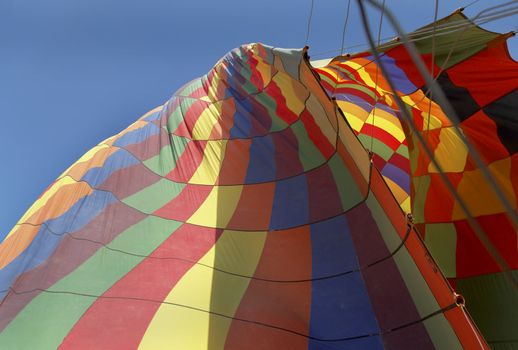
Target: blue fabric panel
[49,236]
[358,101]
[290,204]
[118,160]
[261,166]
[367,343]
[397,75]
[340,306]
[153,116]
[242,120]
[137,136]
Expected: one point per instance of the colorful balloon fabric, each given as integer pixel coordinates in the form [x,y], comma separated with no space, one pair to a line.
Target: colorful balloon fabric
[246,213]
[480,80]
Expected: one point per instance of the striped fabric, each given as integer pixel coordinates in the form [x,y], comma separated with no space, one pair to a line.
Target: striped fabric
[480,80]
[242,214]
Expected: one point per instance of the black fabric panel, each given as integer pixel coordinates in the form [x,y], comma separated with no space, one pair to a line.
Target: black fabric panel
[504,112]
[459,97]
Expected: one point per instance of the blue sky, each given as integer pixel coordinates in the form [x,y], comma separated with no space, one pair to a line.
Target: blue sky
[73,73]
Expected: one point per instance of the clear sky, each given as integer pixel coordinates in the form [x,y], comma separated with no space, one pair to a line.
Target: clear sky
[74,72]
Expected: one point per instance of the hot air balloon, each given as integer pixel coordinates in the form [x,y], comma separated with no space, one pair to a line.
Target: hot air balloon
[480,80]
[266,206]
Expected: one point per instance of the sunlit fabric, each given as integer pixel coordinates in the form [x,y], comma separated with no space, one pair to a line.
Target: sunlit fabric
[242,214]
[480,80]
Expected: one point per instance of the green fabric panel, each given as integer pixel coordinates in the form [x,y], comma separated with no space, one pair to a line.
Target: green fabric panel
[246,72]
[493,303]
[413,155]
[350,193]
[470,41]
[309,154]
[191,87]
[441,241]
[48,318]
[271,106]
[439,328]
[176,117]
[155,196]
[327,79]
[378,147]
[467,46]
[403,150]
[421,186]
[439,324]
[164,162]
[361,88]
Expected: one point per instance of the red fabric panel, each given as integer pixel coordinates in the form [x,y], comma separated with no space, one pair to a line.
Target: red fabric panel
[254,208]
[380,134]
[316,135]
[401,162]
[235,163]
[488,75]
[190,117]
[282,110]
[439,202]
[472,258]
[287,162]
[127,181]
[404,62]
[324,200]
[285,305]
[104,228]
[188,162]
[150,147]
[501,233]
[482,132]
[121,323]
[185,204]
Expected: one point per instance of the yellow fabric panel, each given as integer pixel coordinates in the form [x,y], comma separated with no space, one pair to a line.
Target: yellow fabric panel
[333,73]
[356,116]
[300,92]
[419,101]
[206,121]
[315,109]
[218,208]
[387,122]
[355,149]
[399,193]
[407,99]
[264,69]
[286,85]
[366,77]
[278,64]
[406,205]
[203,288]
[209,168]
[320,94]
[451,153]
[212,88]
[478,194]
[430,122]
